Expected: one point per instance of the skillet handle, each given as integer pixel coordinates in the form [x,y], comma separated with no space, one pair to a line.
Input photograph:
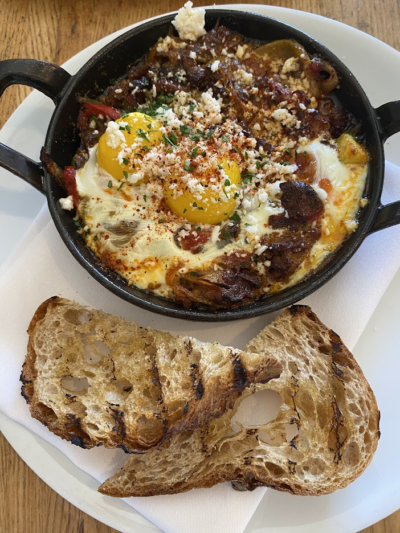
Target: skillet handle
[50,80]
[388,116]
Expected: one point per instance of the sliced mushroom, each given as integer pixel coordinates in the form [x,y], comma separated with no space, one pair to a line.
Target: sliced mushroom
[282,49]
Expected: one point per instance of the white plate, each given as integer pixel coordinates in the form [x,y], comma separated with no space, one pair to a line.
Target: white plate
[370,498]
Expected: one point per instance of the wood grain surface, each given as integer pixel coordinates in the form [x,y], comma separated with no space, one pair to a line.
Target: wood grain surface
[55,30]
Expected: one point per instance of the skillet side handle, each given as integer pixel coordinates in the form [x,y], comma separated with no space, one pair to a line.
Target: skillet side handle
[388,119]
[48,79]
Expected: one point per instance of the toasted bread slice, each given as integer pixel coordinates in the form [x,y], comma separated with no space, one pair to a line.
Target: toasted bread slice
[326,400]
[95,379]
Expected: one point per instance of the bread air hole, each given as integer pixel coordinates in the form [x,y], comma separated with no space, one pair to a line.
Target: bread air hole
[275,470]
[351,455]
[314,466]
[257,410]
[291,431]
[93,352]
[77,408]
[75,317]
[322,415]
[75,385]
[118,390]
[305,403]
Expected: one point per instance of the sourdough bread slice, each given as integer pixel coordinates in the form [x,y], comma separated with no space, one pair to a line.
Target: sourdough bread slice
[326,400]
[96,379]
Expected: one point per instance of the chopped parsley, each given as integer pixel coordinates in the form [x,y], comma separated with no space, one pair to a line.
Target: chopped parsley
[125,160]
[143,134]
[187,166]
[193,153]
[109,184]
[227,182]
[172,139]
[235,217]
[247,177]
[185,130]
[152,107]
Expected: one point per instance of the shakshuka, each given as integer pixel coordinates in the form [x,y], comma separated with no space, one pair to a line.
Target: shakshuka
[219,170]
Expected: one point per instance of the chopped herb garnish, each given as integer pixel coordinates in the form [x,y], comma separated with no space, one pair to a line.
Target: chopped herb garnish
[224,138]
[171,139]
[235,217]
[125,160]
[161,220]
[120,187]
[193,152]
[194,204]
[187,166]
[185,130]
[184,211]
[142,134]
[145,197]
[192,108]
[246,156]
[152,108]
[109,184]
[124,172]
[236,196]
[248,176]
[236,149]
[285,163]
[227,182]
[210,133]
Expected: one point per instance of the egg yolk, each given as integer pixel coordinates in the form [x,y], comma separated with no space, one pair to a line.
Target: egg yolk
[212,201]
[129,135]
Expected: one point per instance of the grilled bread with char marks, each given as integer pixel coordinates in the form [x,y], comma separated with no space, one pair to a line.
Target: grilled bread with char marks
[96,379]
[326,402]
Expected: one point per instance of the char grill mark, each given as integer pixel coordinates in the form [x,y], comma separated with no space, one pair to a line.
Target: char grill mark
[239,372]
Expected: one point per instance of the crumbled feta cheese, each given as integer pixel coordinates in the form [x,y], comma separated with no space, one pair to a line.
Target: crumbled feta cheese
[244,77]
[291,65]
[167,43]
[215,66]
[193,55]
[211,107]
[114,136]
[67,203]
[240,51]
[284,117]
[135,177]
[190,22]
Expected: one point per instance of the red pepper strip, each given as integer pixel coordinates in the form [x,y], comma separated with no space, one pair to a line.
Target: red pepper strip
[69,178]
[97,109]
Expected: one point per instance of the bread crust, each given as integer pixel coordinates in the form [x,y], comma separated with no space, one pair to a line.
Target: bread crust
[138,385]
[325,396]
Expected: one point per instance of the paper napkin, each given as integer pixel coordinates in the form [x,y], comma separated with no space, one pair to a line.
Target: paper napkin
[42,267]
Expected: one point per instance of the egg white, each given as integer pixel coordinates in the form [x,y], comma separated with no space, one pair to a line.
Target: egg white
[145,256]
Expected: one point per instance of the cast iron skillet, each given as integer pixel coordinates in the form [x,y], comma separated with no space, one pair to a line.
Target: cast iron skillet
[110,63]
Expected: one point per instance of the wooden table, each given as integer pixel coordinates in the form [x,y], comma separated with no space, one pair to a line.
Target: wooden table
[54,30]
